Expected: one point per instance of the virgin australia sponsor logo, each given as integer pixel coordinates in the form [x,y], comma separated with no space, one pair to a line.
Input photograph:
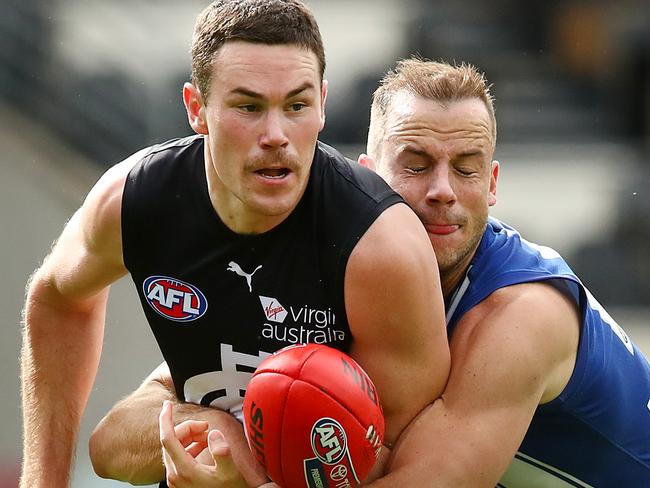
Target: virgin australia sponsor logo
[273,309]
[309,324]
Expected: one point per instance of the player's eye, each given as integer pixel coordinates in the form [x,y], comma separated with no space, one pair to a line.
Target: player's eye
[465,172]
[297,107]
[249,107]
[415,168]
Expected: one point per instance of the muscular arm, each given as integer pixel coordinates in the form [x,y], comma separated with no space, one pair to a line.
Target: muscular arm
[126,443]
[510,353]
[396,315]
[63,330]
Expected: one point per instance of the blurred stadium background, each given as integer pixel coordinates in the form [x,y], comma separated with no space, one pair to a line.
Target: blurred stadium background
[83,83]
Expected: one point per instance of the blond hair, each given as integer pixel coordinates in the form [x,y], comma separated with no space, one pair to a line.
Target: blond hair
[437,81]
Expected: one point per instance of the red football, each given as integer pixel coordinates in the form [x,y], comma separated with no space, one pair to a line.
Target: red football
[313,418]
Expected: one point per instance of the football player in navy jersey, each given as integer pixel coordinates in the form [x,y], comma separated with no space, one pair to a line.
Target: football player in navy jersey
[246,190]
[545,389]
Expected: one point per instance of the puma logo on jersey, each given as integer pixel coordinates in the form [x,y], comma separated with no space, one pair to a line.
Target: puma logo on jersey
[174,299]
[235,268]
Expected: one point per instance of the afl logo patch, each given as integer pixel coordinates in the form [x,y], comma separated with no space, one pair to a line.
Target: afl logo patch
[174,299]
[328,441]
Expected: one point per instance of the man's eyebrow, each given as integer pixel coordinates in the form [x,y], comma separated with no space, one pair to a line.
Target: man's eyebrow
[470,153]
[308,85]
[415,151]
[245,92]
[252,94]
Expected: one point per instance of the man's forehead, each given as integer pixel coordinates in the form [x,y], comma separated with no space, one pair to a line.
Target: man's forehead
[405,103]
[235,55]
[412,113]
[265,70]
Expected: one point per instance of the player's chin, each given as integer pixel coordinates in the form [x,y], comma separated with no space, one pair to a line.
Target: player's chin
[276,201]
[275,205]
[446,243]
[447,253]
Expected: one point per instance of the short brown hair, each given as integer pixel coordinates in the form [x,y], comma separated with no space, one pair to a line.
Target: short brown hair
[437,81]
[269,22]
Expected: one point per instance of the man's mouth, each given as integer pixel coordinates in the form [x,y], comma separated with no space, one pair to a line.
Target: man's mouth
[273,173]
[441,229]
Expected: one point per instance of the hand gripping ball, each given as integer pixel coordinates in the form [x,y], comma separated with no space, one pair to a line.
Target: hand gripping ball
[313,418]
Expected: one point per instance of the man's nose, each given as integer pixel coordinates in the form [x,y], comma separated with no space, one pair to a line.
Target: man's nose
[274,134]
[440,189]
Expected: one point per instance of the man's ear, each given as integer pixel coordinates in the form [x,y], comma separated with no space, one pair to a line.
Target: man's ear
[367,161]
[323,100]
[494,176]
[195,108]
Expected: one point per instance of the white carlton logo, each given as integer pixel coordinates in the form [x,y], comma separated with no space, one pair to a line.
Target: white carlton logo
[273,309]
[235,268]
[223,389]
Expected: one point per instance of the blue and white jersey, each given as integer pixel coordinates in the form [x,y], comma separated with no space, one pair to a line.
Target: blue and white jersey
[596,433]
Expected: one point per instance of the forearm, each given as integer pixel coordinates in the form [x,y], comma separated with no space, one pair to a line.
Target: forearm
[126,444]
[60,355]
[408,464]
[405,464]
[422,471]
[447,447]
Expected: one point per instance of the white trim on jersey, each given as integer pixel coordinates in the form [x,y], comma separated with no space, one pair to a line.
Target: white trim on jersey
[458,295]
[527,472]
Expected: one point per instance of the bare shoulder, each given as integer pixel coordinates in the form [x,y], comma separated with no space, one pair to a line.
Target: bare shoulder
[101,211]
[396,239]
[393,267]
[87,256]
[538,307]
[531,326]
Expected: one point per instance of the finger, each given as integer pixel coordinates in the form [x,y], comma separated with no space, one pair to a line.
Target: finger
[171,445]
[220,451]
[196,448]
[218,444]
[168,463]
[192,431]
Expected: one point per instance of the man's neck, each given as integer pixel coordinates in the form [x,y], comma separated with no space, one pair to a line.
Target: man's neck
[452,277]
[450,280]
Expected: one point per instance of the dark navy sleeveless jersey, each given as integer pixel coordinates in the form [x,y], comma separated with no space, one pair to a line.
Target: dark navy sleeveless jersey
[219,302]
[597,432]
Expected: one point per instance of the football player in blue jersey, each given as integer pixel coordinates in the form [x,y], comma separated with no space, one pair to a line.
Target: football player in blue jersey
[246,189]
[545,389]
